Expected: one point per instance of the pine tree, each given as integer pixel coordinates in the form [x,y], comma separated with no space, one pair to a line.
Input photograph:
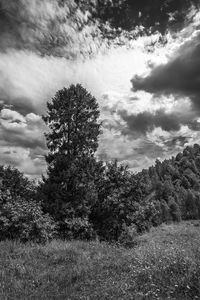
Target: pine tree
[72,140]
[174,210]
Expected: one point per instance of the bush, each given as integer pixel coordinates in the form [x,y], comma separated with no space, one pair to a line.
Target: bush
[18,185]
[23,220]
[128,235]
[146,216]
[115,211]
[174,210]
[77,228]
[166,216]
[190,205]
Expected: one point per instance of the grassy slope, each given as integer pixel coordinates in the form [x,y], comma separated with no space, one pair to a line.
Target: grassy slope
[165,264]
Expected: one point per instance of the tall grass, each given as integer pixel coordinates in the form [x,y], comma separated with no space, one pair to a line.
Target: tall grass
[164,264]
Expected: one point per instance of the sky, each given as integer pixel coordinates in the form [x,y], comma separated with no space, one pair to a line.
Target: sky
[140,59]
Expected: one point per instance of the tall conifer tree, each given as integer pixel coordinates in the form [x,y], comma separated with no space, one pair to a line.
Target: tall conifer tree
[72,139]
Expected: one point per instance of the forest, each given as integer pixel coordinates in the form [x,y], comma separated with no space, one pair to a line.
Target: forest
[84,198]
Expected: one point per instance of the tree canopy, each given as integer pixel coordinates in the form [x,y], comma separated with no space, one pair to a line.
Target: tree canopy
[72,140]
[72,118]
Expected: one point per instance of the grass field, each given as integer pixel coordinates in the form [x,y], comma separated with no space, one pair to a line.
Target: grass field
[163,264]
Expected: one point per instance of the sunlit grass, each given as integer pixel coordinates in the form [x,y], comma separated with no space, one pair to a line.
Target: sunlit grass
[164,264]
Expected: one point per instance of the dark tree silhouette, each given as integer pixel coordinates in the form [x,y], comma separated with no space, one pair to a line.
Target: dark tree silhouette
[72,119]
[72,140]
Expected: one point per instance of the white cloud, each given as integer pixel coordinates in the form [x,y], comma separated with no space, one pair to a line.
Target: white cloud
[49,27]
[21,158]
[29,80]
[9,114]
[33,118]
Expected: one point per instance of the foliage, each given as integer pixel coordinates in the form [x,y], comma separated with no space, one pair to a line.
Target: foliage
[21,215]
[24,220]
[113,213]
[146,216]
[165,210]
[72,119]
[110,212]
[174,210]
[128,235]
[190,204]
[166,192]
[78,228]
[88,198]
[69,190]
[18,185]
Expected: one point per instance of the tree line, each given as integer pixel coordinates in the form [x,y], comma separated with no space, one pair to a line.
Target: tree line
[82,197]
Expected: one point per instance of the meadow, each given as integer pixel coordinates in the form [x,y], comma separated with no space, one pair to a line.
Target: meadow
[161,264]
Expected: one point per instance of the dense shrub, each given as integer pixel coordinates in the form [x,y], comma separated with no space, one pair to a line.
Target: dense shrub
[18,185]
[77,228]
[145,216]
[112,214]
[191,207]
[128,235]
[166,216]
[24,220]
[174,210]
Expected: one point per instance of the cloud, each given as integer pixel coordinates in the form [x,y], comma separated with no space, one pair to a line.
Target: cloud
[22,142]
[177,142]
[136,153]
[21,158]
[157,15]
[48,27]
[173,142]
[12,115]
[147,121]
[29,80]
[180,76]
[46,45]
[16,130]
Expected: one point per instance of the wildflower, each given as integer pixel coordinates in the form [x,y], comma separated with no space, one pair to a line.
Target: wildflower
[188,287]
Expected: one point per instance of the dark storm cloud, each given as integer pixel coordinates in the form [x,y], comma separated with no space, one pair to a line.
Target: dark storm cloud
[147,121]
[180,76]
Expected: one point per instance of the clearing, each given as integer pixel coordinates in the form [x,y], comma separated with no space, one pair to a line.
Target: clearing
[163,264]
